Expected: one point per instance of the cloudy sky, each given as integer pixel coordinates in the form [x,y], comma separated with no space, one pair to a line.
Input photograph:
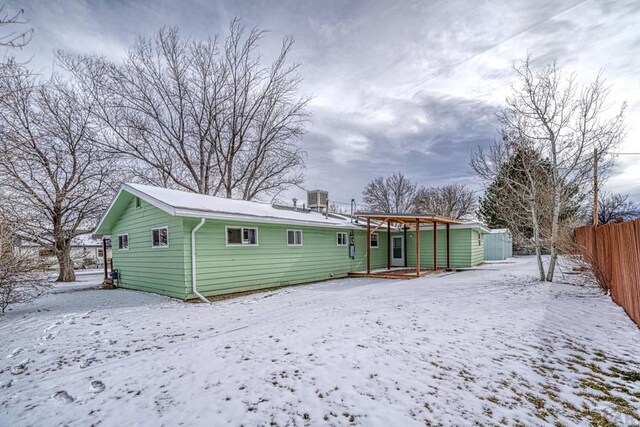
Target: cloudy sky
[409,86]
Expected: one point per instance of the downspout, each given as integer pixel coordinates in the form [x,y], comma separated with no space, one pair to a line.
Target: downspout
[194,287]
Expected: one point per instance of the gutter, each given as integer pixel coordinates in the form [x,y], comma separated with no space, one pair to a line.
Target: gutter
[194,287]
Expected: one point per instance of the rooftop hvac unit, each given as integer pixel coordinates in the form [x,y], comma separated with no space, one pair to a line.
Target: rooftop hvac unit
[317,199]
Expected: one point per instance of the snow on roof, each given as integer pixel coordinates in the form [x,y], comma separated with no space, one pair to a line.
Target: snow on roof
[182,203]
[86,240]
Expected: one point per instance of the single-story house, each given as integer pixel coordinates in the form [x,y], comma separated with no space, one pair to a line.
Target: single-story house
[86,252]
[188,245]
[498,245]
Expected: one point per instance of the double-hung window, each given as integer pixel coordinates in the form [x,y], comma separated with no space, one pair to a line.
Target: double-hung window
[160,237]
[342,238]
[294,237]
[247,236]
[123,242]
[374,240]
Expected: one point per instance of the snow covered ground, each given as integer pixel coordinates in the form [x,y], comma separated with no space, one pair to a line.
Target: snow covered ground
[489,346]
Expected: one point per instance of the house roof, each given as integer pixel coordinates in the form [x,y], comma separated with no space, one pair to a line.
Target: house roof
[185,204]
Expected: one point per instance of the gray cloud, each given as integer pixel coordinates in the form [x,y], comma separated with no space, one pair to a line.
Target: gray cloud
[408,85]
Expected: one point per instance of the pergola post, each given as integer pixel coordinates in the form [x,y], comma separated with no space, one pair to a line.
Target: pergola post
[104,259]
[435,246]
[448,251]
[368,245]
[418,247]
[388,245]
[404,242]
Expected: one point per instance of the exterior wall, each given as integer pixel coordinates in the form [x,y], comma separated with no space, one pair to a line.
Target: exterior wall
[141,267]
[459,249]
[477,247]
[225,269]
[463,250]
[498,246]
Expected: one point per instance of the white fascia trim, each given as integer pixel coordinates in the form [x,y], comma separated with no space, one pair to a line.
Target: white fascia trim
[104,215]
[256,219]
[144,196]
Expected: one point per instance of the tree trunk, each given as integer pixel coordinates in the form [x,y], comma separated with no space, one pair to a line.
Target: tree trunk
[65,265]
[554,234]
[536,238]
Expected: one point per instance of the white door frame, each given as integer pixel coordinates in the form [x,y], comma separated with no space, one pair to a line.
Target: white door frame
[397,262]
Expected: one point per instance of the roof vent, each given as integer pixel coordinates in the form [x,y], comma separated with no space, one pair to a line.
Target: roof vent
[317,200]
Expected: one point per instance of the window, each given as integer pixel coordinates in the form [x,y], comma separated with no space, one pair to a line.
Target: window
[374,240]
[342,239]
[242,236]
[100,253]
[160,237]
[479,239]
[123,242]
[294,237]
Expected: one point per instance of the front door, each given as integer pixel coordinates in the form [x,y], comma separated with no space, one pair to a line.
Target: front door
[397,251]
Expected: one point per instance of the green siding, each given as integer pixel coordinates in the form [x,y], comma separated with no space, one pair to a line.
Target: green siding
[142,267]
[463,248]
[225,269]
[477,250]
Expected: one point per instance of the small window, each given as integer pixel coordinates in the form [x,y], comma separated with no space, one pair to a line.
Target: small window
[342,239]
[294,237]
[137,202]
[100,253]
[479,239]
[374,240]
[123,242]
[242,236]
[160,237]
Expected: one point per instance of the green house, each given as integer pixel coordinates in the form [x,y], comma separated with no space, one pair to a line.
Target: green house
[187,245]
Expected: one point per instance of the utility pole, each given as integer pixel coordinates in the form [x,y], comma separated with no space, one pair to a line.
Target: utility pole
[595,187]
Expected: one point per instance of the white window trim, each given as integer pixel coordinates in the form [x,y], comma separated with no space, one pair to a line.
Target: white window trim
[346,238]
[377,241]
[239,245]
[123,249]
[160,228]
[294,238]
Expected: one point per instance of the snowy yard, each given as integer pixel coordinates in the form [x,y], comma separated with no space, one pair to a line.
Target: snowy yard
[489,346]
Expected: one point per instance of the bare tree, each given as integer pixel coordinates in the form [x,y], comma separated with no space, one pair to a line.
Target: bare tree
[9,36]
[394,194]
[202,116]
[454,201]
[18,282]
[613,207]
[551,118]
[51,169]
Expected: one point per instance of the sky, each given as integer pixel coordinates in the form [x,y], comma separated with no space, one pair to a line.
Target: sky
[410,86]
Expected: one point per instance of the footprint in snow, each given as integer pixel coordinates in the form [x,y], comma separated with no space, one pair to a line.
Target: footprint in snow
[20,368]
[50,336]
[5,384]
[96,386]
[63,397]
[15,352]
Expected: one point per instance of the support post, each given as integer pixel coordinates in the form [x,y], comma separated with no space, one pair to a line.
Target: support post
[368,245]
[404,242]
[388,245]
[448,248]
[104,259]
[418,247]
[435,245]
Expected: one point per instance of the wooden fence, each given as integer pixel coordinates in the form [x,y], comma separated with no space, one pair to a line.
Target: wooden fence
[614,252]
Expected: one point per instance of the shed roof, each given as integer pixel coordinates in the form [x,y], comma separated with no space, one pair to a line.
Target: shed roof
[185,204]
